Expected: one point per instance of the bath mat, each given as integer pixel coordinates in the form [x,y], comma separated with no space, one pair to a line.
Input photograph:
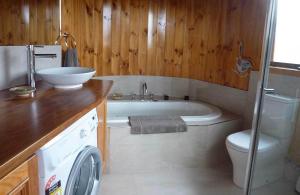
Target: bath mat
[156,124]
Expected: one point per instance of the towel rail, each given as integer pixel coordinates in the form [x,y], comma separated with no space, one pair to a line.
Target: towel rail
[65,36]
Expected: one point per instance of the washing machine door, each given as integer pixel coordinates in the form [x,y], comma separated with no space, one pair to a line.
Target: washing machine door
[84,178]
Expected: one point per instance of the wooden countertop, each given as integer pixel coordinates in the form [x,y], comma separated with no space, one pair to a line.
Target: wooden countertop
[28,124]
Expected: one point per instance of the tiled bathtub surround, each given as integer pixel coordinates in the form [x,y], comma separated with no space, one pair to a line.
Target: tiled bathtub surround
[176,87]
[170,163]
[200,147]
[189,163]
[227,98]
[234,100]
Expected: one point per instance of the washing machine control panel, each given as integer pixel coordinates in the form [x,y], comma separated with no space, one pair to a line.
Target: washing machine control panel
[84,133]
[89,125]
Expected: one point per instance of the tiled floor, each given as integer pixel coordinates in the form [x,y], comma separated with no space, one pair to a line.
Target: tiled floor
[184,182]
[175,164]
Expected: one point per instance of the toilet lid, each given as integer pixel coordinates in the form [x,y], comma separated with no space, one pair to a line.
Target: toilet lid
[241,141]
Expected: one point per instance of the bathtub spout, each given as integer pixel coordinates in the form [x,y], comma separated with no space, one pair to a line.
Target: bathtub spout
[144,91]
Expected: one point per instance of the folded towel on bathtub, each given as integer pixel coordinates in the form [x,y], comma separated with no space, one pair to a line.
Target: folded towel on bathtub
[156,124]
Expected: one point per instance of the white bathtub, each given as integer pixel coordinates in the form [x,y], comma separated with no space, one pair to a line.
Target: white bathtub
[193,113]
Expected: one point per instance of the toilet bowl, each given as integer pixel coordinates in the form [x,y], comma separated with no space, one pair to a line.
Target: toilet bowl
[269,162]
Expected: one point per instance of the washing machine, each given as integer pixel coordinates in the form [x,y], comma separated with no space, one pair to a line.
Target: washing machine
[70,164]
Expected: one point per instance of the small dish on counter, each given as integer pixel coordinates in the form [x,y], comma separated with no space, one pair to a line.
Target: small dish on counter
[117,96]
[22,91]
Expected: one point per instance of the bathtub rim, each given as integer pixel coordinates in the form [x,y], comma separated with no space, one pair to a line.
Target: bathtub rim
[190,120]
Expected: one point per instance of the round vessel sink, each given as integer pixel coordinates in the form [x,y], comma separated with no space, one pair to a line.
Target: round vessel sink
[66,77]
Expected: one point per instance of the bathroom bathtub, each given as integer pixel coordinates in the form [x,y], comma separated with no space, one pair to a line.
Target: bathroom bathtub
[192,112]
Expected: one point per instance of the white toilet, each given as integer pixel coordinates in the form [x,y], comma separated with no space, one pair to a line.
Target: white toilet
[277,127]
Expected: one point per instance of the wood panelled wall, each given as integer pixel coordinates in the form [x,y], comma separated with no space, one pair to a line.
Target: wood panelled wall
[196,39]
[28,21]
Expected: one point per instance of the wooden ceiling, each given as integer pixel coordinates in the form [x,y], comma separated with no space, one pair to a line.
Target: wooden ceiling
[195,39]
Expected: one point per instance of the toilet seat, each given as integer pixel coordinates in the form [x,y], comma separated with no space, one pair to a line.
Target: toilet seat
[240,141]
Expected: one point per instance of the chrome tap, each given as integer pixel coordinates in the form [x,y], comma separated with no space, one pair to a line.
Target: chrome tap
[31,55]
[144,90]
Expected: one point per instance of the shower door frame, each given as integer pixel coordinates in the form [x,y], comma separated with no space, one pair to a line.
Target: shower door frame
[267,54]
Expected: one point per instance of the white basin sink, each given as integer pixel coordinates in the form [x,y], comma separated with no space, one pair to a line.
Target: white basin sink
[66,77]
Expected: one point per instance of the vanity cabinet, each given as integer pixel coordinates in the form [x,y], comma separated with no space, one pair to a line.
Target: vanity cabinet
[23,180]
[103,134]
[40,119]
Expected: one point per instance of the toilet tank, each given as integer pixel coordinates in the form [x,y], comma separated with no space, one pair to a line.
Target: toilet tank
[279,115]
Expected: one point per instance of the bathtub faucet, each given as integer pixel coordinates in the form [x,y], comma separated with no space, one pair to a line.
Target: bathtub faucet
[144,90]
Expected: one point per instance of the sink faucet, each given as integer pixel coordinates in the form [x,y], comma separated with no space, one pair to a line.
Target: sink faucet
[31,62]
[144,90]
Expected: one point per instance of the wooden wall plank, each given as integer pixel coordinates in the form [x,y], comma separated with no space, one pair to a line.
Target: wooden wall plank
[28,22]
[134,37]
[14,10]
[24,27]
[231,42]
[55,20]
[143,36]
[116,37]
[198,38]
[106,63]
[88,33]
[3,24]
[170,38]
[68,16]
[214,11]
[185,72]
[180,20]
[152,37]
[98,34]
[33,17]
[125,36]
[43,21]
[192,39]
[78,30]
[252,28]
[161,38]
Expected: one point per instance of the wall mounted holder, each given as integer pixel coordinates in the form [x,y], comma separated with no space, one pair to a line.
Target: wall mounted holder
[243,65]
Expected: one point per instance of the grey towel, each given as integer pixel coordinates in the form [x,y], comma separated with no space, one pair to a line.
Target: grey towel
[71,58]
[156,124]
